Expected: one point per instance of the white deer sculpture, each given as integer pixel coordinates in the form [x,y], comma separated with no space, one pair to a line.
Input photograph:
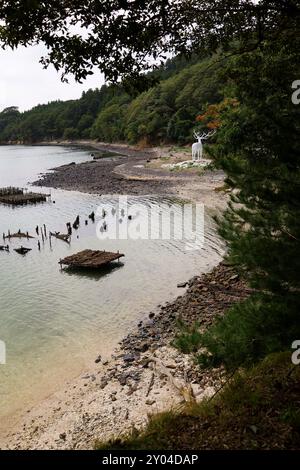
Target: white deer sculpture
[197,147]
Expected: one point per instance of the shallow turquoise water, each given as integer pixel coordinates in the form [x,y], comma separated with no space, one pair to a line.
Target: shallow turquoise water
[54,322]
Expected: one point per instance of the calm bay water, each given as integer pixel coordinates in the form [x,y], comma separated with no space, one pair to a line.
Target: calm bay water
[55,323]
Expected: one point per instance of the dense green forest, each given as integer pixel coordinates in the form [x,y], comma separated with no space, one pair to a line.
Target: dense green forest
[166,112]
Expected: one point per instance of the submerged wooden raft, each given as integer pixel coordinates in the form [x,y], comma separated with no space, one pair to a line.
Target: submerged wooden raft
[61,236]
[17,196]
[22,250]
[4,248]
[17,235]
[90,259]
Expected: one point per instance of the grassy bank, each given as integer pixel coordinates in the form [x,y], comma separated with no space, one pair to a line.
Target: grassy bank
[257,409]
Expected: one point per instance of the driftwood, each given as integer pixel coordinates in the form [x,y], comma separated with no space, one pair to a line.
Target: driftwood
[61,236]
[183,387]
[151,383]
[90,259]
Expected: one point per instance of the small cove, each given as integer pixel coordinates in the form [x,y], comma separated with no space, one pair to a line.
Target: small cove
[54,323]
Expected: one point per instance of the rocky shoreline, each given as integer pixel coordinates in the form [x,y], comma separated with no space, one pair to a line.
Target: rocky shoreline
[146,374]
[97,175]
[137,172]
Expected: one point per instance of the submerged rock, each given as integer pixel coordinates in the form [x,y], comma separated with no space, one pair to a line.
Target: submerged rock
[183,284]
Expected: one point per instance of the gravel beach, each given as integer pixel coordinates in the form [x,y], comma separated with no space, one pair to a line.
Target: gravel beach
[145,374]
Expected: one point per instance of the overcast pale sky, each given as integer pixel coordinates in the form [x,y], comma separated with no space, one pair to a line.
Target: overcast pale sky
[24,82]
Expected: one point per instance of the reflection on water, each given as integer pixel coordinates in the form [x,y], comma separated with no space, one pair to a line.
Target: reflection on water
[93,275]
[55,322]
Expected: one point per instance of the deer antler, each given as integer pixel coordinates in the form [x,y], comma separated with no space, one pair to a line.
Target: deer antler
[209,134]
[197,135]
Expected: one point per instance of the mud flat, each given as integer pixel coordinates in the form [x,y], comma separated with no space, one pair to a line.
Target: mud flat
[145,374]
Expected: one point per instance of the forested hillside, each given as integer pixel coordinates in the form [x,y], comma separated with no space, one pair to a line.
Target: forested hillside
[166,112]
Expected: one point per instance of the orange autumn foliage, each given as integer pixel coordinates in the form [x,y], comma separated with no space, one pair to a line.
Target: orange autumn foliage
[212,116]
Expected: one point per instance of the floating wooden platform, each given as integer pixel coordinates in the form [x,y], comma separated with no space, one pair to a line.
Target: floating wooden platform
[90,259]
[18,196]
